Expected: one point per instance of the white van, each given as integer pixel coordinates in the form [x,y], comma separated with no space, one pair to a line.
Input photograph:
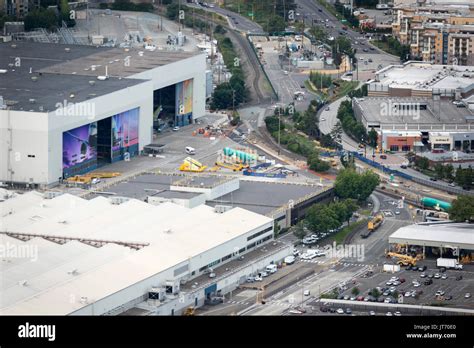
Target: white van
[190,150]
[271,268]
[289,260]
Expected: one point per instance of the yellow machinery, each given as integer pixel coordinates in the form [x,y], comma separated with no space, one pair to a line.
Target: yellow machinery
[234,167]
[87,178]
[103,175]
[375,223]
[191,165]
[403,260]
[79,179]
[189,311]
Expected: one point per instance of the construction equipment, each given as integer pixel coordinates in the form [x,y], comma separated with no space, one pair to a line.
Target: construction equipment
[403,260]
[191,165]
[237,167]
[375,223]
[103,175]
[189,311]
[79,179]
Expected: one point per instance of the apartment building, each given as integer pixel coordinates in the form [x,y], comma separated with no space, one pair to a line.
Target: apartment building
[436,33]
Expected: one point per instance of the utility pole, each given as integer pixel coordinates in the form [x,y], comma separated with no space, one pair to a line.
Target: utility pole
[279,129]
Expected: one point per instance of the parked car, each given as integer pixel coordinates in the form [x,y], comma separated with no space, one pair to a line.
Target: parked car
[371,313]
[383,156]
[468,295]
[306,293]
[422,268]
[444,276]
[397,314]
[340,311]
[422,275]
[389,314]
[348,311]
[258,279]
[428,282]
[175,129]
[459,277]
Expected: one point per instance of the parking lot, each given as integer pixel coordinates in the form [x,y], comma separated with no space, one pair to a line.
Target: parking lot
[409,287]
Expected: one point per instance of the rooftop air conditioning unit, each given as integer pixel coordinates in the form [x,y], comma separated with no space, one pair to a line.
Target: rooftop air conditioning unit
[220,209]
[118,200]
[51,194]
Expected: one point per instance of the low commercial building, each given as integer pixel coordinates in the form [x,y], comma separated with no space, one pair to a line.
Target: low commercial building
[423,80]
[61,257]
[284,202]
[438,239]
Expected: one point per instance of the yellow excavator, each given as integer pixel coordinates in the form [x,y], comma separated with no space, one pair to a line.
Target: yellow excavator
[403,260]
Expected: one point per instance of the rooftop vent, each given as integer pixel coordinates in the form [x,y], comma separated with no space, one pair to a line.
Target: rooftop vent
[34,78]
[13,46]
[22,282]
[73,272]
[92,83]
[67,49]
[220,209]
[32,100]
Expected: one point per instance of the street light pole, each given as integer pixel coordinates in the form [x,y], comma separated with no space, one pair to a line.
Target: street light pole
[279,130]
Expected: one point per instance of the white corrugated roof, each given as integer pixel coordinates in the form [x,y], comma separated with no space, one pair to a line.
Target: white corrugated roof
[446,234]
[174,233]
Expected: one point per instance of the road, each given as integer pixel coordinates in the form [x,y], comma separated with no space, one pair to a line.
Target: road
[237,22]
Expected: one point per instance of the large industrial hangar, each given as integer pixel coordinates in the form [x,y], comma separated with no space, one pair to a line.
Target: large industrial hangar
[66,110]
[438,239]
[78,262]
[283,201]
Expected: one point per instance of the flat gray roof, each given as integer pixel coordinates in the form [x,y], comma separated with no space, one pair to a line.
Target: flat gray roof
[264,197]
[373,111]
[436,235]
[257,196]
[62,70]
[177,194]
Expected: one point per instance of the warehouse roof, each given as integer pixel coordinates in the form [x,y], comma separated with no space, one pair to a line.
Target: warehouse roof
[425,76]
[459,235]
[68,267]
[49,63]
[379,110]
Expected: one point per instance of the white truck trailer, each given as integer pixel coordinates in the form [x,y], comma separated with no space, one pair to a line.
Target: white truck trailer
[448,263]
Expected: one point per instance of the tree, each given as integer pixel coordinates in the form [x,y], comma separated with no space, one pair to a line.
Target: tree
[316,164]
[219,29]
[422,162]
[41,18]
[462,209]
[322,218]
[350,184]
[222,97]
[276,24]
[318,33]
[449,172]
[439,170]
[172,11]
[299,230]
[372,138]
[375,293]
[65,14]
[235,118]
[355,291]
